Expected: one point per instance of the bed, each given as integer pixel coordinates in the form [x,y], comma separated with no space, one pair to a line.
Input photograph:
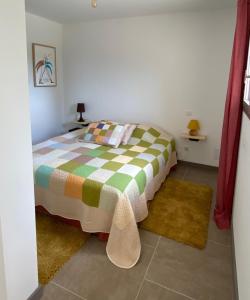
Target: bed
[106,189]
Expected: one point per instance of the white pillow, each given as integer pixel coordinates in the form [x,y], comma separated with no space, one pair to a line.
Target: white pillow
[104,133]
[129,128]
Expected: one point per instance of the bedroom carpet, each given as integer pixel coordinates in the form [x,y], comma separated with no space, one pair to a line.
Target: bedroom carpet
[180,211]
[56,243]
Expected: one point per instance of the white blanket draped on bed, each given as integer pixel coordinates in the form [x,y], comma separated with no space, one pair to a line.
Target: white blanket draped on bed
[117,212]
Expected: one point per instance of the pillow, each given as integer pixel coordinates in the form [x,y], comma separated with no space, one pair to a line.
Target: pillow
[128,132]
[129,128]
[104,133]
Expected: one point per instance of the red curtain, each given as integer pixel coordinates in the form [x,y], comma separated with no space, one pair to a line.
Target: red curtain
[232,118]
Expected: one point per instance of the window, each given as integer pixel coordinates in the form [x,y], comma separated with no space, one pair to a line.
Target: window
[247,87]
[247,82]
[247,90]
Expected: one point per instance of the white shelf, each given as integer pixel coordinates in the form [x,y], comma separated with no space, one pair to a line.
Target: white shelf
[194,137]
[86,122]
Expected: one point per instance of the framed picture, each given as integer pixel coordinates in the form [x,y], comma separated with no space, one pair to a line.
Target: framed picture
[44,65]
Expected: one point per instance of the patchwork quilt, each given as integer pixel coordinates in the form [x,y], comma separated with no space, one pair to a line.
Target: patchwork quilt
[105,188]
[104,133]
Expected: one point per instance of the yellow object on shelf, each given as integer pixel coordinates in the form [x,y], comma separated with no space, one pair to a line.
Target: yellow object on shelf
[194,126]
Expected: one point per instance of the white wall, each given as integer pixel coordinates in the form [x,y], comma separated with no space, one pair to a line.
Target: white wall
[241,213]
[2,271]
[18,258]
[153,69]
[46,103]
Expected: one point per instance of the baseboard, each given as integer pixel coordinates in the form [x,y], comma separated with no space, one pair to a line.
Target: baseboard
[188,163]
[236,292]
[37,294]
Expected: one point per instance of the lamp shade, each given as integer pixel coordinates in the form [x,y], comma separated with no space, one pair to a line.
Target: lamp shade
[193,125]
[80,107]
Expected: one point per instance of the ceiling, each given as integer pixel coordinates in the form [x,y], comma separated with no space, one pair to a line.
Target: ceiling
[74,11]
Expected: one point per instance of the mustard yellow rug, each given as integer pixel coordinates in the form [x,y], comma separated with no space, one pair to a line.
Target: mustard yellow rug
[180,211]
[56,243]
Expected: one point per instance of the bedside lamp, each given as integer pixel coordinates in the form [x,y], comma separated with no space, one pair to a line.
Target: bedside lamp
[194,126]
[80,109]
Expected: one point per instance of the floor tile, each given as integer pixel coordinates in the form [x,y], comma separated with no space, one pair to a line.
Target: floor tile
[200,274]
[148,238]
[151,291]
[53,292]
[202,174]
[213,205]
[90,274]
[206,175]
[223,237]
[178,171]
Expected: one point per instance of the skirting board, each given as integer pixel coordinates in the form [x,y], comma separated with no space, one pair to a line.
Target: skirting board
[188,163]
[236,292]
[37,294]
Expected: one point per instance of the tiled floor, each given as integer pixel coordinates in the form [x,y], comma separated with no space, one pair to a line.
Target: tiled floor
[166,270]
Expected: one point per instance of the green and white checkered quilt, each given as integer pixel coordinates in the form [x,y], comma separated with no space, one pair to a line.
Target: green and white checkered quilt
[105,189]
[88,172]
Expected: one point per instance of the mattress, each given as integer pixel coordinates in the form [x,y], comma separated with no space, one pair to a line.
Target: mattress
[106,189]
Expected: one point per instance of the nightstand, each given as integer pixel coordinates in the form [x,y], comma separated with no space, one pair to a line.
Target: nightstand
[82,124]
[195,138]
[79,125]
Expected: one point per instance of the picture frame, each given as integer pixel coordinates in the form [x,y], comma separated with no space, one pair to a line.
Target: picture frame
[44,65]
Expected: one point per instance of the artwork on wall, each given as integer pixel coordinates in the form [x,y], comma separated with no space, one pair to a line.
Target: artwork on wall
[44,65]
